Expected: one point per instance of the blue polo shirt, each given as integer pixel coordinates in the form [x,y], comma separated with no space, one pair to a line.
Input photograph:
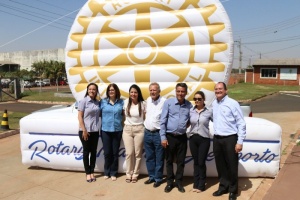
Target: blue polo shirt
[90,109]
[111,115]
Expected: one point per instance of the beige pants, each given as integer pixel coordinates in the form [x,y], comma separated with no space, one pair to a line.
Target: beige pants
[133,138]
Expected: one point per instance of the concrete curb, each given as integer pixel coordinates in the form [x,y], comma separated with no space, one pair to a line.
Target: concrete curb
[9,133]
[47,102]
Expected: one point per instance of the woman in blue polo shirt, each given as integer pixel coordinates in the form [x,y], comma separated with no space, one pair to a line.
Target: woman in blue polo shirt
[89,125]
[112,111]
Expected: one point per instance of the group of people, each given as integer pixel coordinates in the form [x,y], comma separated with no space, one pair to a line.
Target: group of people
[160,126]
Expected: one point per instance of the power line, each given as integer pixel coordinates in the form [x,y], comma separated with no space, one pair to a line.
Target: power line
[29,13]
[269,29]
[26,5]
[47,24]
[32,20]
[282,49]
[275,41]
[55,6]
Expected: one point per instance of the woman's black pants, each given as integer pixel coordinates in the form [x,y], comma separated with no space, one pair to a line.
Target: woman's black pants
[89,151]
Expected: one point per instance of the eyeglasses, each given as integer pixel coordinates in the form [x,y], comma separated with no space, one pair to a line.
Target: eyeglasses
[197,99]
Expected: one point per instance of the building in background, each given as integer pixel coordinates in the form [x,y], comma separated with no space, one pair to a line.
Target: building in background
[25,58]
[274,72]
[8,66]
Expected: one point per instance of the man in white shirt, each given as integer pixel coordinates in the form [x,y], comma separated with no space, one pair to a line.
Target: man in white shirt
[152,142]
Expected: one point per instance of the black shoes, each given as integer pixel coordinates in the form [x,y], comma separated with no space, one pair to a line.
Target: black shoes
[232,196]
[219,193]
[156,184]
[180,188]
[149,181]
[168,188]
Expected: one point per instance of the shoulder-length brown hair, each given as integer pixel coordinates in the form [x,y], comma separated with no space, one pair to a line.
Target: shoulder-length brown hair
[117,90]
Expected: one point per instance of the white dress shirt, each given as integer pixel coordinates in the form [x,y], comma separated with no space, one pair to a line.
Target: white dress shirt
[153,112]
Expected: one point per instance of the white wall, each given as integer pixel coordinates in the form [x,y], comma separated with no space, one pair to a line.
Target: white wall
[26,58]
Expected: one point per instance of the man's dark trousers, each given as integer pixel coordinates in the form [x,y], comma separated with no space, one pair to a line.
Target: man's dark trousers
[176,148]
[226,162]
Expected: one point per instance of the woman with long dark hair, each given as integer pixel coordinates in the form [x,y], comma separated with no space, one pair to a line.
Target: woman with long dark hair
[89,124]
[199,140]
[133,132]
[111,130]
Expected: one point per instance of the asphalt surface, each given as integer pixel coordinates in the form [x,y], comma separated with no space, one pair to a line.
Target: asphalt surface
[22,107]
[279,102]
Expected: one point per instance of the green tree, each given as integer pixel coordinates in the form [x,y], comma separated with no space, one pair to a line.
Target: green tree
[56,69]
[49,69]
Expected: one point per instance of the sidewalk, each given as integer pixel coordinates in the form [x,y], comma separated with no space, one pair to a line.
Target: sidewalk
[286,184]
[18,181]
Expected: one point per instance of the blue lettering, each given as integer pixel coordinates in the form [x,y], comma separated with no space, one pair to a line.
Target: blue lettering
[65,150]
[188,159]
[122,152]
[246,157]
[99,152]
[36,148]
[59,145]
[49,149]
[79,152]
[41,149]
[268,159]
[210,156]
[265,153]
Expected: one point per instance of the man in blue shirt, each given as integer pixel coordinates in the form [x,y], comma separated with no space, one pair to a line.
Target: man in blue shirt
[173,125]
[229,134]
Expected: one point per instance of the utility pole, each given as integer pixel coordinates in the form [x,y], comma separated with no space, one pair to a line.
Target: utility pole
[241,53]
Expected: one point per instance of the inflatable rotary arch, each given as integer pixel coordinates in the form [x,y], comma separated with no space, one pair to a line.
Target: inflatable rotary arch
[143,41]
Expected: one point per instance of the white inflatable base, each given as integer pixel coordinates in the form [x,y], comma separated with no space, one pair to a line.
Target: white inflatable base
[49,138]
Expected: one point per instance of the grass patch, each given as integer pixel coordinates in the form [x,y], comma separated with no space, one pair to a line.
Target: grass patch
[13,119]
[46,96]
[246,91]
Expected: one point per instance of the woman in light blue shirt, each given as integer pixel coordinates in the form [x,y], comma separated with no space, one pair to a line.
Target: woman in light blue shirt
[89,124]
[112,111]
[200,116]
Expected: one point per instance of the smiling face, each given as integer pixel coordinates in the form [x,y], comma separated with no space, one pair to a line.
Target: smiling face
[112,93]
[220,91]
[133,93]
[199,100]
[92,91]
[154,91]
[180,94]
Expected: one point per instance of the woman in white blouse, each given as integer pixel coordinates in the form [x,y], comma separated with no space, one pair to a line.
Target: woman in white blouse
[133,132]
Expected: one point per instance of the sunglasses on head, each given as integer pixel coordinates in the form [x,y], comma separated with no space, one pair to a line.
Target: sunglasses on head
[197,99]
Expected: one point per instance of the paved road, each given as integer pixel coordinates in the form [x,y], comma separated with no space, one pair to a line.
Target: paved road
[22,107]
[280,102]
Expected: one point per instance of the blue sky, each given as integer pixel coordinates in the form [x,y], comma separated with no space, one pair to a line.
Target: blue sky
[266,28]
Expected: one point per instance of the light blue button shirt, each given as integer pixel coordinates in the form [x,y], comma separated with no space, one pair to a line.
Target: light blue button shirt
[174,117]
[111,115]
[228,118]
[90,109]
[200,122]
